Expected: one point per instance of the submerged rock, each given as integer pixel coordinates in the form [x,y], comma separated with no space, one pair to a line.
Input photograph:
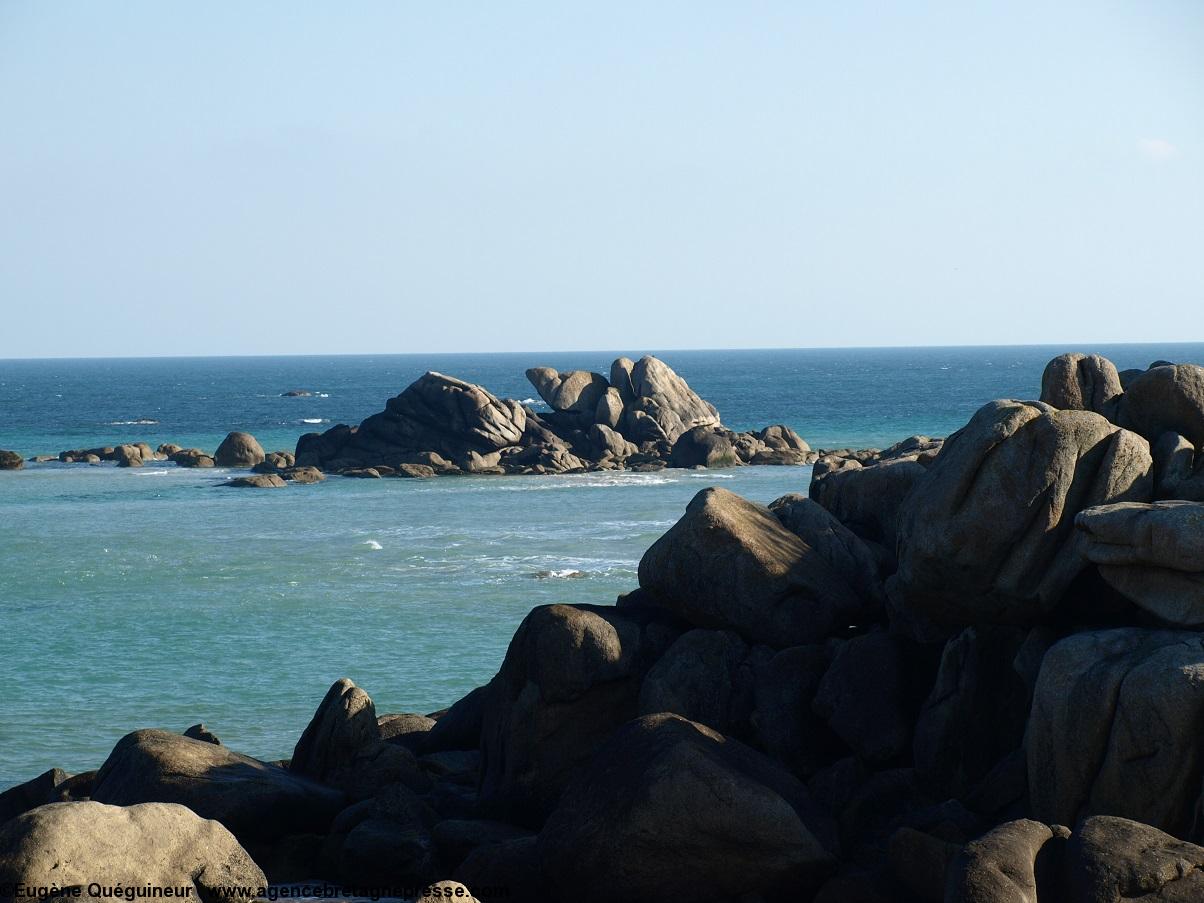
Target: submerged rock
[257,481]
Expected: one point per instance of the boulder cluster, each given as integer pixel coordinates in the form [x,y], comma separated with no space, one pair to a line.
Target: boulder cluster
[967,671]
[643,417]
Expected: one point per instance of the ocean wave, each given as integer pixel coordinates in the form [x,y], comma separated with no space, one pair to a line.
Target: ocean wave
[145,421]
[562,574]
[313,420]
[372,544]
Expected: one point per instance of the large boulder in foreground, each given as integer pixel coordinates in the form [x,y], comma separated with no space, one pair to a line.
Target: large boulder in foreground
[867,499]
[987,533]
[1153,554]
[1115,728]
[1166,399]
[578,391]
[571,676]
[239,450]
[729,563]
[256,801]
[671,809]
[1081,382]
[162,845]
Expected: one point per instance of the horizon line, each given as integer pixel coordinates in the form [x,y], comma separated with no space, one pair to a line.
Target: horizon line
[362,354]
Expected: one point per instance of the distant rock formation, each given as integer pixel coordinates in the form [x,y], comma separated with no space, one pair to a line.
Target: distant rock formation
[644,416]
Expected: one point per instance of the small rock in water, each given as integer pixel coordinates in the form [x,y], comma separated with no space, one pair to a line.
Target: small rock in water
[296,393]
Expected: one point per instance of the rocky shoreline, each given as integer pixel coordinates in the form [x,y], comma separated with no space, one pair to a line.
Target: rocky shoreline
[643,417]
[967,671]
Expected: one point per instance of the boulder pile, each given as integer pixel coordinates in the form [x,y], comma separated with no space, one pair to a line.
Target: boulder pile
[967,671]
[642,417]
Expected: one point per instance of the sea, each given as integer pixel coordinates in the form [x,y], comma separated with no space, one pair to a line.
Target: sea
[154,598]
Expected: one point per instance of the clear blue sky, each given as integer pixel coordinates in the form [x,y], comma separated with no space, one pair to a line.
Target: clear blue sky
[243,178]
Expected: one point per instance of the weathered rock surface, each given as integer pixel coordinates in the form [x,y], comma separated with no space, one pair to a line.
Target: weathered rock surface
[10,460]
[987,533]
[1166,399]
[159,845]
[1113,859]
[1178,469]
[672,808]
[1017,862]
[1114,728]
[239,450]
[342,747]
[256,801]
[1082,382]
[704,446]
[867,499]
[1151,553]
[729,563]
[578,391]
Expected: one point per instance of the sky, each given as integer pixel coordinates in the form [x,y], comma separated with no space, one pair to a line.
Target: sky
[303,178]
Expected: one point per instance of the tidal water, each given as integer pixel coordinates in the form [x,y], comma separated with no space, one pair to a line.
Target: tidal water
[153,598]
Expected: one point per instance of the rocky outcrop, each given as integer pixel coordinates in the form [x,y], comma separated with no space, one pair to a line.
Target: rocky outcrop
[1166,399]
[571,676]
[986,534]
[729,563]
[577,391]
[256,801]
[343,747]
[1114,728]
[1153,554]
[156,845]
[1178,469]
[238,450]
[637,418]
[10,460]
[1113,859]
[671,808]
[1018,862]
[1081,382]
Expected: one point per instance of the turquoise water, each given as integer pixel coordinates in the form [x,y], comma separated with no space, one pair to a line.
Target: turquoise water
[152,598]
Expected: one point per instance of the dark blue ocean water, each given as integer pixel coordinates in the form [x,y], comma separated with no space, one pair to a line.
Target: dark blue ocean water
[154,598]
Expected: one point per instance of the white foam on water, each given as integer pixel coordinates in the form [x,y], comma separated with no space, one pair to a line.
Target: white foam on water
[372,544]
[563,574]
[314,420]
[146,421]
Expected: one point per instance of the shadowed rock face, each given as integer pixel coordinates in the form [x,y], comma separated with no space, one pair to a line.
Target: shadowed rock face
[571,676]
[254,800]
[1114,728]
[987,535]
[158,844]
[663,397]
[1152,554]
[669,808]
